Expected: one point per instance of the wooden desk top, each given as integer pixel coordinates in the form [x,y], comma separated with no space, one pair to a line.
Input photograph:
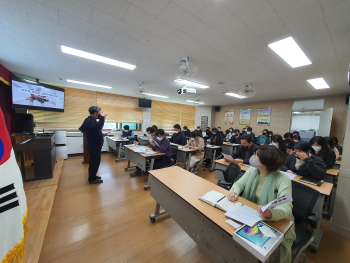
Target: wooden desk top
[325,188]
[340,156]
[230,144]
[190,187]
[115,139]
[334,172]
[338,162]
[133,148]
[213,146]
[183,148]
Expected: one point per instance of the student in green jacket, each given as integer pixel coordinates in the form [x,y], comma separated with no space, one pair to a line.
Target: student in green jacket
[263,183]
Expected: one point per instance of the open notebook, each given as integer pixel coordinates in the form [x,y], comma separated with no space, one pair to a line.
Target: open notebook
[219,200]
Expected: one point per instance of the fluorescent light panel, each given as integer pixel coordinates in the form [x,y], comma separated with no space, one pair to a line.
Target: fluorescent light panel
[83,54]
[235,95]
[88,84]
[155,95]
[318,83]
[289,50]
[190,83]
[195,102]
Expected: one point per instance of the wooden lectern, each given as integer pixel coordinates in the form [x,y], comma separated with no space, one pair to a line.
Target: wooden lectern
[86,153]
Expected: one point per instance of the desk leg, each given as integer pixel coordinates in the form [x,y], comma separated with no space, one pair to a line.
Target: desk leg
[119,151]
[319,232]
[153,216]
[189,161]
[148,185]
[212,161]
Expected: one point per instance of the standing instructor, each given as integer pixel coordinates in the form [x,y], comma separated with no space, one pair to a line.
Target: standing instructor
[94,136]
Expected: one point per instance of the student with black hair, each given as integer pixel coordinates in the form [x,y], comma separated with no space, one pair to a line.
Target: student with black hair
[155,127]
[208,132]
[296,133]
[340,149]
[199,129]
[304,163]
[270,135]
[236,138]
[178,136]
[186,131]
[161,144]
[228,135]
[244,151]
[331,144]
[221,132]
[296,138]
[197,143]
[250,133]
[321,149]
[127,133]
[288,141]
[216,139]
[278,142]
[264,138]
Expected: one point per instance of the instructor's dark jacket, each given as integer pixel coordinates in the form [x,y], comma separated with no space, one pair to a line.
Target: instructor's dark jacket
[93,130]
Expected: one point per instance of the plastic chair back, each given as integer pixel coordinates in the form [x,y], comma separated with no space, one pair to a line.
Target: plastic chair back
[231,172]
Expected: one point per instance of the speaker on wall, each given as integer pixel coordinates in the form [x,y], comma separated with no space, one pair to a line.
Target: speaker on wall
[217,108]
[24,123]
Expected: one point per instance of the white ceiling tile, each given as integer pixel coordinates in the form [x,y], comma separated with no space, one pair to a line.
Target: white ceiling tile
[341,40]
[73,7]
[85,26]
[215,40]
[157,42]
[236,5]
[247,40]
[137,46]
[12,15]
[115,8]
[302,15]
[165,56]
[49,45]
[107,45]
[115,24]
[278,4]
[73,43]
[260,17]
[276,35]
[142,19]
[181,39]
[153,7]
[328,3]
[182,20]
[337,16]
[28,42]
[269,57]
[192,6]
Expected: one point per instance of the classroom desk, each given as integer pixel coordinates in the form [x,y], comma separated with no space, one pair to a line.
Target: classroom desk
[143,140]
[338,162]
[116,144]
[325,190]
[210,153]
[183,154]
[229,148]
[140,160]
[177,191]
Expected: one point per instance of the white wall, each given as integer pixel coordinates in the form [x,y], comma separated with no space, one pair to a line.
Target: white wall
[146,115]
[204,111]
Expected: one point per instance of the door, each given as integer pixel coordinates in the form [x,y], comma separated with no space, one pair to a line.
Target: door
[325,122]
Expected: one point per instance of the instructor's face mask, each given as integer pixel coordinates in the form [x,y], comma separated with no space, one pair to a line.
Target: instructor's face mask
[160,138]
[255,162]
[317,148]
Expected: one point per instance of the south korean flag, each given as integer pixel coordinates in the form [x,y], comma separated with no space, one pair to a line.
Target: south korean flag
[13,203]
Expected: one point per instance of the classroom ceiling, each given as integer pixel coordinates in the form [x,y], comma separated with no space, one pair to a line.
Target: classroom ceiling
[226,39]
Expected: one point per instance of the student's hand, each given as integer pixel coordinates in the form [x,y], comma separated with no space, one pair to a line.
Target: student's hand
[231,197]
[237,161]
[226,160]
[104,114]
[136,143]
[302,155]
[290,151]
[187,147]
[153,143]
[125,137]
[266,214]
[290,171]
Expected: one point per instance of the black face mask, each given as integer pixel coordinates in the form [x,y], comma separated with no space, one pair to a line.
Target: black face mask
[287,140]
[244,147]
[264,133]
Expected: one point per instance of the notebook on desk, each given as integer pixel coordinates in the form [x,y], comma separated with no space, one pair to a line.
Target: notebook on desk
[219,200]
[311,181]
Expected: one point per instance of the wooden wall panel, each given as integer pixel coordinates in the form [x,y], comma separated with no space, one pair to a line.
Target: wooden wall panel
[340,112]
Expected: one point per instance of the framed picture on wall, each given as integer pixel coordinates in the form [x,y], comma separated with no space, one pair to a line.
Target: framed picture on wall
[229,116]
[264,117]
[244,116]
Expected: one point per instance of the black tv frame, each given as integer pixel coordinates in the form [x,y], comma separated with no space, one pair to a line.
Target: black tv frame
[145,99]
[17,106]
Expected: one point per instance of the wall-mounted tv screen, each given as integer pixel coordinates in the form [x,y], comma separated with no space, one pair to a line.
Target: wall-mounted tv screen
[145,103]
[36,96]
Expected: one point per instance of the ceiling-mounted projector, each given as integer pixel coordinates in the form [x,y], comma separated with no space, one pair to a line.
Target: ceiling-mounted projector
[185,90]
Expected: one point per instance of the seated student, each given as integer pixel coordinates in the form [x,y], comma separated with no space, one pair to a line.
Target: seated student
[331,144]
[304,163]
[163,147]
[236,138]
[150,134]
[250,133]
[262,184]
[186,131]
[278,142]
[244,131]
[288,141]
[155,127]
[296,133]
[127,133]
[296,138]
[231,129]
[340,149]
[244,151]
[199,129]
[220,131]
[270,135]
[216,140]
[228,135]
[264,138]
[196,142]
[322,150]
[178,136]
[208,132]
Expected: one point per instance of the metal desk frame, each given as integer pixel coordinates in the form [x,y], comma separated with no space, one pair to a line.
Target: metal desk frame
[118,146]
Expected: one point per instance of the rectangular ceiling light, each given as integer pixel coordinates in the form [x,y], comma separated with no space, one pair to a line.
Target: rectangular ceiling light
[83,54]
[318,83]
[196,102]
[289,50]
[235,95]
[88,84]
[190,83]
[155,95]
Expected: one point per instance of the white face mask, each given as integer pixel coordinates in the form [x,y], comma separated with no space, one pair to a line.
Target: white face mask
[198,129]
[317,148]
[148,135]
[176,132]
[160,138]
[295,140]
[231,130]
[185,130]
[248,132]
[255,162]
[275,144]
[192,139]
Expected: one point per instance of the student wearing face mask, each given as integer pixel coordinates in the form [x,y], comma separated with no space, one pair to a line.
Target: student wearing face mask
[228,135]
[221,132]
[216,140]
[296,138]
[331,144]
[264,138]
[296,133]
[278,142]
[304,163]
[196,142]
[236,138]
[186,131]
[270,135]
[127,134]
[208,132]
[262,184]
[250,133]
[178,137]
[162,144]
[244,151]
[199,129]
[321,149]
[288,141]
